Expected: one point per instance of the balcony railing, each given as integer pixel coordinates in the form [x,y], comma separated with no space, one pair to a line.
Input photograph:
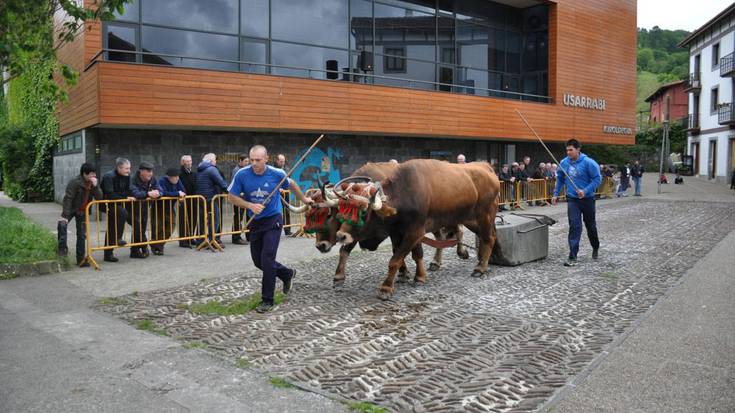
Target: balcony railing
[727,65]
[726,114]
[691,122]
[693,83]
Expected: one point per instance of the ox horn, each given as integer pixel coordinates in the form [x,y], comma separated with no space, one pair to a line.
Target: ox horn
[295,210]
[377,201]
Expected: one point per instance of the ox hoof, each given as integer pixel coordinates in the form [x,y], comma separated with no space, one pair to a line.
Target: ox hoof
[464,254]
[419,283]
[338,283]
[478,273]
[434,267]
[385,295]
[402,278]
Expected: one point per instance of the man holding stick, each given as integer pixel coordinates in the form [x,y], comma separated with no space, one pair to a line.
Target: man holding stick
[581,175]
[252,188]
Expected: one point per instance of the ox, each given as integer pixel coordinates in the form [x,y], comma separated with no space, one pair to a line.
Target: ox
[419,197]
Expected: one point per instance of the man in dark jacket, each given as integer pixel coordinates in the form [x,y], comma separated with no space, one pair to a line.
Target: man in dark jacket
[188,209]
[238,213]
[116,186]
[624,179]
[209,184]
[144,187]
[507,181]
[80,191]
[281,164]
[636,172]
[164,211]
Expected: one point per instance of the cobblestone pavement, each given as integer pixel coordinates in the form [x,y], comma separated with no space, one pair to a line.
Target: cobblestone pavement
[503,343]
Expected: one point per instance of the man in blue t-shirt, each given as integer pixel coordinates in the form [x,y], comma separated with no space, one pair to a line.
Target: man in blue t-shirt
[250,186]
[581,184]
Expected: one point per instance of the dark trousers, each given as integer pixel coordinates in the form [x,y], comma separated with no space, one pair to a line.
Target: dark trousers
[208,220]
[81,236]
[139,223]
[162,225]
[579,210]
[237,216]
[265,234]
[117,216]
[188,213]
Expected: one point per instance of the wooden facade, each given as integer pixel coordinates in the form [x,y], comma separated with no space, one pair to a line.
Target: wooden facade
[592,53]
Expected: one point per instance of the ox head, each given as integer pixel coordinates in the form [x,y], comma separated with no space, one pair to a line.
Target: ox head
[320,216]
[362,202]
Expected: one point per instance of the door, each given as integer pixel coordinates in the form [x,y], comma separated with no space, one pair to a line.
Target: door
[695,152]
[731,158]
[712,164]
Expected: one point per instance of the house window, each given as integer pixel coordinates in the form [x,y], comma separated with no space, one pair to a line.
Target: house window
[394,62]
[715,55]
[70,144]
[714,99]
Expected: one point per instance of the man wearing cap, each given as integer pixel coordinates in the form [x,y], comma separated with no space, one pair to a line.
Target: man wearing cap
[165,210]
[256,182]
[144,187]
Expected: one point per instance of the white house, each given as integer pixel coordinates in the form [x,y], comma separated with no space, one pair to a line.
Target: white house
[711,121]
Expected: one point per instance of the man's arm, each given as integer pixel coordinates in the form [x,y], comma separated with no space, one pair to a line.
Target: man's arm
[67,210]
[295,189]
[559,181]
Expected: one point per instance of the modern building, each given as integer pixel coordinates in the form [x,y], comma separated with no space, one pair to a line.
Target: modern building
[383,79]
[668,102]
[711,138]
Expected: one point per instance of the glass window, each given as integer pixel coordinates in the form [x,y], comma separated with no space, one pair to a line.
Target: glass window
[394,62]
[496,50]
[131,12]
[482,12]
[472,41]
[320,22]
[210,15]
[121,37]
[254,18]
[189,44]
[254,51]
[424,72]
[513,52]
[308,57]
[361,25]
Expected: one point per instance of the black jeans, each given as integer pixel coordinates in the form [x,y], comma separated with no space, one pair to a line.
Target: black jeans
[139,219]
[188,214]
[237,217]
[81,236]
[117,216]
[265,236]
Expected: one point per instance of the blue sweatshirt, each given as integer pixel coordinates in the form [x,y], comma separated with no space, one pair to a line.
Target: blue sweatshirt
[169,189]
[584,171]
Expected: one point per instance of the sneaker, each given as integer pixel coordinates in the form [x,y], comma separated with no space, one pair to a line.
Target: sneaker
[289,283]
[121,242]
[595,253]
[157,252]
[111,258]
[240,241]
[570,262]
[137,254]
[264,307]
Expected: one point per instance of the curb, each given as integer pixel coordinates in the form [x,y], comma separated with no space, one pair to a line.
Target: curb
[8,271]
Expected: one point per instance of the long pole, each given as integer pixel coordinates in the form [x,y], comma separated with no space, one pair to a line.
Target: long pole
[293,168]
[523,118]
[665,137]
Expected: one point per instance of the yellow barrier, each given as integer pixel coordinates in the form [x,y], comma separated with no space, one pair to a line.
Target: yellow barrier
[160,212]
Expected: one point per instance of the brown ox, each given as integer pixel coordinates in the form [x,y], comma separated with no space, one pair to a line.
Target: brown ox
[321,219]
[424,196]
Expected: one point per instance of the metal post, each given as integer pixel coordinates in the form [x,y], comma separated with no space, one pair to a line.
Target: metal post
[665,137]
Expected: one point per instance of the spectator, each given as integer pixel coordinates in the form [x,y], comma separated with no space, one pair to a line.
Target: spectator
[281,164]
[624,180]
[527,166]
[516,174]
[732,180]
[539,173]
[239,213]
[461,158]
[506,180]
[523,178]
[636,172]
[144,187]
[189,212]
[209,183]
[393,161]
[80,191]
[162,226]
[115,186]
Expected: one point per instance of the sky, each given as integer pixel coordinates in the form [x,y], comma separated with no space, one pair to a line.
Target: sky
[678,14]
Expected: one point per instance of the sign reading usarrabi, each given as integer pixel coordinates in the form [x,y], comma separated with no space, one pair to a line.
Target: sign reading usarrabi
[583,102]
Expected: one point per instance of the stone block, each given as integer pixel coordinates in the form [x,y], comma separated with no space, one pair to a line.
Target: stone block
[521,238]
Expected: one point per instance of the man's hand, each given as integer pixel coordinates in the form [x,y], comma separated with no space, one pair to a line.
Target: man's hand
[181,194]
[154,194]
[580,193]
[554,200]
[131,198]
[93,180]
[512,178]
[256,208]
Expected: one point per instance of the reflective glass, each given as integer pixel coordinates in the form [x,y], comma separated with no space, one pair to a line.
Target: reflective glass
[254,19]
[320,22]
[415,72]
[131,12]
[121,38]
[307,57]
[254,51]
[361,25]
[210,15]
[189,44]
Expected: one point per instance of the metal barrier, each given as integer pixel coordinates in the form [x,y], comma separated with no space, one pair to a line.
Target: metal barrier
[229,220]
[191,211]
[512,194]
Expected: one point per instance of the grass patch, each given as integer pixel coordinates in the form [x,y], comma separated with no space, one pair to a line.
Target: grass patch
[236,307]
[194,344]
[149,325]
[243,363]
[23,241]
[280,383]
[365,407]
[111,301]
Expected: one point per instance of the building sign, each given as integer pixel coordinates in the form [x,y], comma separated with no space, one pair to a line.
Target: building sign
[583,102]
[617,130]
